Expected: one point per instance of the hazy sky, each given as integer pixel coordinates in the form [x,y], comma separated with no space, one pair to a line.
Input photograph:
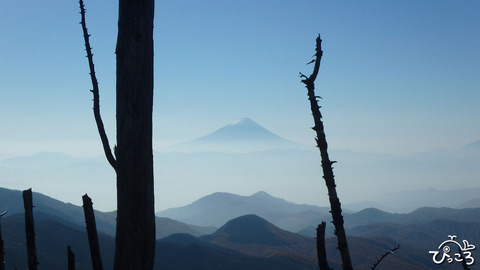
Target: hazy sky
[396,76]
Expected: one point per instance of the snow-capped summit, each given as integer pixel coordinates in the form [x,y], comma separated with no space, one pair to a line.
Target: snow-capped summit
[242,121]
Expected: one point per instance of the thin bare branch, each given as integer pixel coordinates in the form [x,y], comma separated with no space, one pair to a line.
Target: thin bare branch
[96,96]
[378,260]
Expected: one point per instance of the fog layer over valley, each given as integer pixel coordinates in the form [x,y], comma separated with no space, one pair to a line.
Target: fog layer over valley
[237,165]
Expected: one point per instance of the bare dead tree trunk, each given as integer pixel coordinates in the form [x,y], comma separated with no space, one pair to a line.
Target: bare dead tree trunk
[30,230]
[135,233]
[135,236]
[2,252]
[71,258]
[92,233]
[321,250]
[321,140]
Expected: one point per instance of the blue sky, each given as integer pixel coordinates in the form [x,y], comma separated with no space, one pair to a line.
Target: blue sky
[397,76]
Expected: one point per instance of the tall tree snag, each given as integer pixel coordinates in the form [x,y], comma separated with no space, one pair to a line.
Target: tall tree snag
[135,236]
[30,230]
[321,140]
[133,162]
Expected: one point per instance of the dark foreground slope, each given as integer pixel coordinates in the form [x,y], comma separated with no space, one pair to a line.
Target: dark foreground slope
[53,235]
[248,242]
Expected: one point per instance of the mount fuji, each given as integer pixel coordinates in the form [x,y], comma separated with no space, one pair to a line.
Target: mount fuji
[243,129]
[242,135]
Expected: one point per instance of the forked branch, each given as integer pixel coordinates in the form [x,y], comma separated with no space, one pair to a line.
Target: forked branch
[96,96]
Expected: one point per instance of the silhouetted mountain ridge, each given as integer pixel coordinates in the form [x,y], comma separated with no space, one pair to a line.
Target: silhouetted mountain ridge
[251,242]
[12,201]
[219,207]
[54,235]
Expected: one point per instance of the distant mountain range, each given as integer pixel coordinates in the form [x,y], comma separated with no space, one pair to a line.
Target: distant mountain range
[265,161]
[218,208]
[258,231]
[12,201]
[407,201]
[244,242]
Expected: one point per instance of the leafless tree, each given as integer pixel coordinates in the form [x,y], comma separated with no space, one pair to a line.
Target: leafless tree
[328,176]
[133,161]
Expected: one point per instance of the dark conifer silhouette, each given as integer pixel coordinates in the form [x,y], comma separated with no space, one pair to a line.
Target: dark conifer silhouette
[133,161]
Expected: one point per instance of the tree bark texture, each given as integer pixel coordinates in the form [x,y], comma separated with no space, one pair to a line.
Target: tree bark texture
[71,258]
[135,234]
[328,176]
[30,230]
[92,233]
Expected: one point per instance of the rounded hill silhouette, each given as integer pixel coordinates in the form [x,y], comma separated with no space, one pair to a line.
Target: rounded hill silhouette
[252,229]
